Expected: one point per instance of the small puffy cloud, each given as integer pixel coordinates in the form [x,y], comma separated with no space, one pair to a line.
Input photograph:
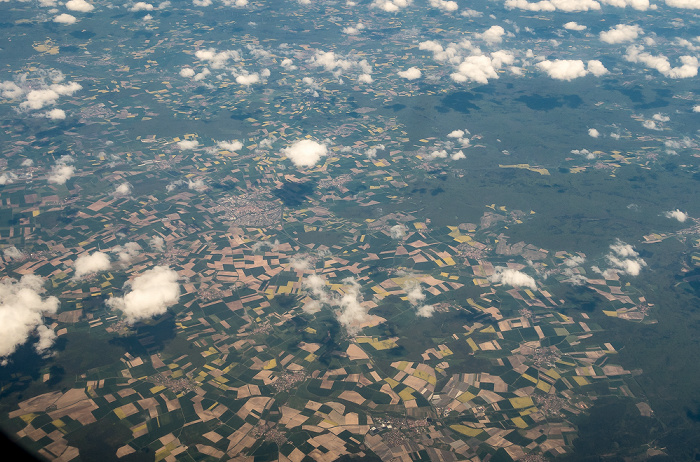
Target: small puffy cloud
[625,259]
[141,6]
[157,243]
[696,108]
[425,311]
[574,26]
[576,260]
[235,3]
[660,117]
[398,231]
[91,263]
[650,125]
[677,215]
[187,144]
[584,152]
[202,3]
[232,146]
[37,99]
[217,59]
[198,185]
[288,64]
[61,172]
[622,249]
[150,295]
[686,4]
[47,337]
[563,69]
[127,252]
[689,64]
[329,61]
[412,73]
[123,189]
[351,313]
[7,178]
[511,277]
[640,5]
[299,263]
[481,68]
[414,292]
[371,153]
[553,5]
[201,75]
[596,68]
[458,155]
[248,79]
[10,90]
[592,132]
[456,134]
[492,35]
[187,72]
[65,18]
[305,153]
[391,6]
[444,5]
[22,308]
[56,114]
[631,267]
[353,30]
[79,5]
[349,310]
[416,296]
[173,185]
[13,253]
[365,78]
[316,285]
[684,143]
[621,33]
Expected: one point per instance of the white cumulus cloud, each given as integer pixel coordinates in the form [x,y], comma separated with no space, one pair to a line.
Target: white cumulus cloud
[621,33]
[444,5]
[187,144]
[563,69]
[127,252]
[625,259]
[61,171]
[157,243]
[640,5]
[391,6]
[141,6]
[22,309]
[91,263]
[574,26]
[492,35]
[689,64]
[677,215]
[123,189]
[511,277]
[398,231]
[686,4]
[553,5]
[232,146]
[79,5]
[305,153]
[150,294]
[65,18]
[481,68]
[412,73]
[56,114]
